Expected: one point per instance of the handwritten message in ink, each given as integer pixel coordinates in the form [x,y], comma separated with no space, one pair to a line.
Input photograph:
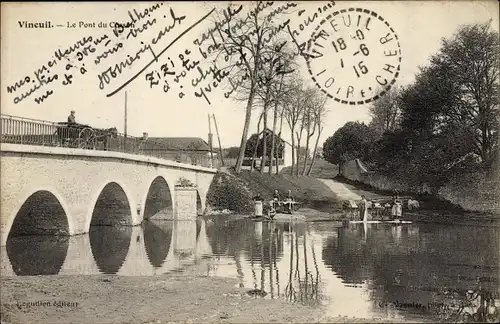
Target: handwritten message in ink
[222,56]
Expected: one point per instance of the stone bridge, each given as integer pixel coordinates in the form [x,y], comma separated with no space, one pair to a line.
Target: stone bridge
[56,190]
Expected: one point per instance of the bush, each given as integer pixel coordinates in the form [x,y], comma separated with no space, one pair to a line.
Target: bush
[228,192]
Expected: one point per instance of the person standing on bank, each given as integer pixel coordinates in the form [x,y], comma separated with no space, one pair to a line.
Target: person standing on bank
[258,205]
[289,202]
[71,118]
[258,197]
[276,199]
[363,213]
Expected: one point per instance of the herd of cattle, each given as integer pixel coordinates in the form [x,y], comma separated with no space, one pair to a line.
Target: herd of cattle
[380,207]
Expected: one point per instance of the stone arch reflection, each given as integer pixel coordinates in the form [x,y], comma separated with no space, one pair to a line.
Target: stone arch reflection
[110,245]
[157,240]
[37,255]
[112,207]
[158,204]
[38,241]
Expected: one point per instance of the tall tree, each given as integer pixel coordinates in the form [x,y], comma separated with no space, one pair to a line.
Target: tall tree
[280,141]
[472,56]
[319,114]
[269,84]
[310,124]
[293,109]
[281,91]
[385,112]
[242,43]
[349,142]
[257,143]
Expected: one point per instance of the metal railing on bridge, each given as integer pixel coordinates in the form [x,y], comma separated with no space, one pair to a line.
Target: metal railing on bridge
[20,130]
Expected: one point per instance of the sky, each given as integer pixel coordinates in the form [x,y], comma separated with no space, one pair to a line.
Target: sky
[419,25]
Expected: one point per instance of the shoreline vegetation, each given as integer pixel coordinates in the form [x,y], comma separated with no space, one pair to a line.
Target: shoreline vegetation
[232,193]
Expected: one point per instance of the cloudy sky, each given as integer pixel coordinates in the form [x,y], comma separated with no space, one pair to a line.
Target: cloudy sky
[420,25]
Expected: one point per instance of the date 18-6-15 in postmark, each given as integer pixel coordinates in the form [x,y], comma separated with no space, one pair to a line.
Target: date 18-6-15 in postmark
[356,56]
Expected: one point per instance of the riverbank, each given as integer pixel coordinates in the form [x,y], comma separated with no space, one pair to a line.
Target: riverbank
[159,299]
[432,209]
[234,192]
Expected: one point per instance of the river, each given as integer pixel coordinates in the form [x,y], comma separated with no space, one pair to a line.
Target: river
[420,272]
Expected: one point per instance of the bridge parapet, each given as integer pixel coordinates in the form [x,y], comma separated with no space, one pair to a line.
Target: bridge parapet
[26,131]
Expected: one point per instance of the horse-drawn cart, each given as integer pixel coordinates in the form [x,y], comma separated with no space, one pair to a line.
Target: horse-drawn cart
[82,136]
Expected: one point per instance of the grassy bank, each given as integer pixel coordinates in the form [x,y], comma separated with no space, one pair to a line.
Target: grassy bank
[321,169]
[235,192]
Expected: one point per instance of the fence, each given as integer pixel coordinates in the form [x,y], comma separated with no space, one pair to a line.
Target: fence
[19,130]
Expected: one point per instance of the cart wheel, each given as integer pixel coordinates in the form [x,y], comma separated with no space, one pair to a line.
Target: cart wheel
[85,138]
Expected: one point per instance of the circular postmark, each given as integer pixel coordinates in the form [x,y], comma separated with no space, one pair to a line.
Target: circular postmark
[354,56]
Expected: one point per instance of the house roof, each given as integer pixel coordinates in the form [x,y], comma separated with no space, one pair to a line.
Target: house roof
[269,131]
[181,143]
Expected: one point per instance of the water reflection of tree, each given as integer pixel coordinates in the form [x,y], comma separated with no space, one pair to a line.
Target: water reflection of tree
[233,237]
[302,287]
[262,245]
[433,266]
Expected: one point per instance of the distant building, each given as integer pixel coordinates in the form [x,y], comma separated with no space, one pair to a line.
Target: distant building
[284,157]
[190,150]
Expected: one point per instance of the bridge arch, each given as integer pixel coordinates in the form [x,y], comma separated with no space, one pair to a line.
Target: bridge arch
[112,204]
[159,196]
[43,214]
[22,213]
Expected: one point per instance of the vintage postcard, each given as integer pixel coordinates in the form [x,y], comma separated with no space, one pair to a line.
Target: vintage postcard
[250,162]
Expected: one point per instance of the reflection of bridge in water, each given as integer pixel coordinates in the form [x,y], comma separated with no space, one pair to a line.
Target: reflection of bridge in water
[155,247]
[351,270]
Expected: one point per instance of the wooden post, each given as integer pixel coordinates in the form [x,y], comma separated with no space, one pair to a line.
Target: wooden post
[218,138]
[210,141]
[125,125]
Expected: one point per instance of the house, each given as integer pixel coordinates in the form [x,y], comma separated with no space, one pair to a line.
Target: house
[190,150]
[284,156]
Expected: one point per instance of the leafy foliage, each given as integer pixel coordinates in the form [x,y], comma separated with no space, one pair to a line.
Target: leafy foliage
[353,140]
[446,122]
[254,139]
[231,152]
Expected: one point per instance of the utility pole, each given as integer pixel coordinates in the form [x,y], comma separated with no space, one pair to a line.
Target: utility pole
[218,138]
[210,140]
[125,125]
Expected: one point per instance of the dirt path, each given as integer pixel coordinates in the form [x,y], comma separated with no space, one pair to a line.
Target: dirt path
[341,190]
[348,191]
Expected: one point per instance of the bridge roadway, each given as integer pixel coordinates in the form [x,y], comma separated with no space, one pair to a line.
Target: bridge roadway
[92,187]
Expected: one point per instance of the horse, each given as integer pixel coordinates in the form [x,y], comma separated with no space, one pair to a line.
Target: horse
[103,136]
